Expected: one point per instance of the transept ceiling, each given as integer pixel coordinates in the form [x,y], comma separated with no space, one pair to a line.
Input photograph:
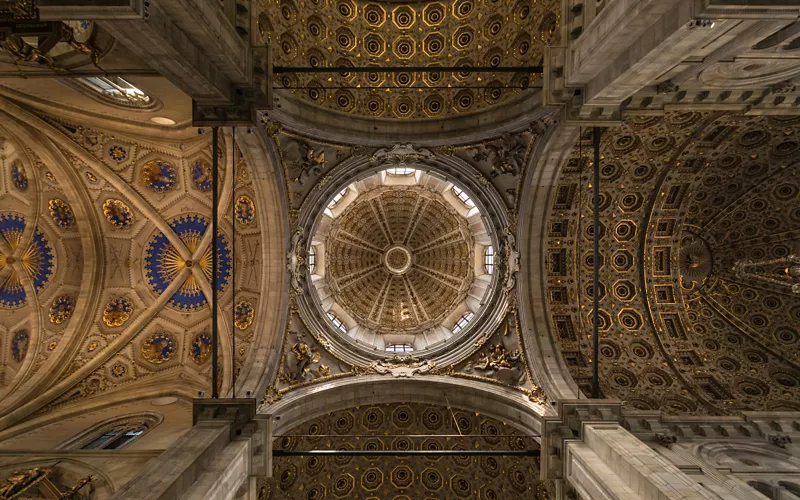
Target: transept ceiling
[403,427]
[687,200]
[472,33]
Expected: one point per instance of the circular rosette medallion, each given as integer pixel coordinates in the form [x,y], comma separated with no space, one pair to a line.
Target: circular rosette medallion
[18,176]
[159,175]
[245,210]
[164,263]
[37,260]
[61,309]
[19,345]
[159,347]
[118,153]
[117,312]
[201,348]
[61,213]
[244,313]
[118,214]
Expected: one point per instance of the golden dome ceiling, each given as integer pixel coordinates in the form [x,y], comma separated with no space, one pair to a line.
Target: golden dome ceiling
[356,33]
[399,259]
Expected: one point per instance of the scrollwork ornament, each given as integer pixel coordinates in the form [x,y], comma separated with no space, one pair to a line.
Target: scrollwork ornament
[295,261]
[512,261]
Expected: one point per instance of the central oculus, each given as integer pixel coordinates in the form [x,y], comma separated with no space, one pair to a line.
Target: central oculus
[397,259]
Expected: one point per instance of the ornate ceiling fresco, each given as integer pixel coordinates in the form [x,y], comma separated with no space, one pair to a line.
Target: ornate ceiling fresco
[339,33]
[403,427]
[697,210]
[105,261]
[400,259]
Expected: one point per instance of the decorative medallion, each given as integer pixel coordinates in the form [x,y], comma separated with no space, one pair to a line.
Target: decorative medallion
[61,310]
[18,176]
[244,314]
[201,175]
[118,214]
[117,312]
[163,263]
[159,347]
[49,176]
[201,348]
[61,213]
[118,153]
[52,346]
[19,345]
[92,347]
[119,370]
[159,176]
[91,177]
[38,260]
[245,210]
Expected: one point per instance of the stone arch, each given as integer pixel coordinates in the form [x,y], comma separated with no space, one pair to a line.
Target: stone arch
[144,421]
[492,400]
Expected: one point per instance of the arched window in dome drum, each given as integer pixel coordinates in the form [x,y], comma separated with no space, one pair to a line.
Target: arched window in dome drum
[463,321]
[337,323]
[336,199]
[488,259]
[399,348]
[312,260]
[466,200]
[400,171]
[117,90]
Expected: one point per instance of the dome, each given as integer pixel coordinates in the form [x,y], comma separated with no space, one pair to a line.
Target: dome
[399,259]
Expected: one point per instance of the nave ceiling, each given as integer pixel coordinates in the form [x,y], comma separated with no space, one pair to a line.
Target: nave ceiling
[684,198]
[106,262]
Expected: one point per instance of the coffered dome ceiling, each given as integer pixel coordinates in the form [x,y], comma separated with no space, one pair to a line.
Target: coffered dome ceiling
[399,259]
[454,33]
[700,215]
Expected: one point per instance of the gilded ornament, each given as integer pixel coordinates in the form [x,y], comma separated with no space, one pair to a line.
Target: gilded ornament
[119,370]
[244,314]
[118,153]
[49,176]
[61,213]
[38,260]
[159,347]
[117,312]
[163,263]
[92,347]
[19,345]
[52,346]
[61,309]
[118,214]
[21,481]
[18,176]
[245,210]
[91,177]
[324,371]
[201,348]
[202,175]
[159,175]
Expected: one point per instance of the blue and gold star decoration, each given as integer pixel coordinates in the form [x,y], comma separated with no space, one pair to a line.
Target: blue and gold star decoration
[201,175]
[37,260]
[159,175]
[201,348]
[61,309]
[18,176]
[118,214]
[119,370]
[244,313]
[163,262]
[19,345]
[159,347]
[117,312]
[117,153]
[245,210]
[61,213]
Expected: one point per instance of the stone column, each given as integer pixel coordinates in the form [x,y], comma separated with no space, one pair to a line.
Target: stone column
[213,461]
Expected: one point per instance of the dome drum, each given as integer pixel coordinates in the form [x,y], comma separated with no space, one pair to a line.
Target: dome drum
[366,257]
